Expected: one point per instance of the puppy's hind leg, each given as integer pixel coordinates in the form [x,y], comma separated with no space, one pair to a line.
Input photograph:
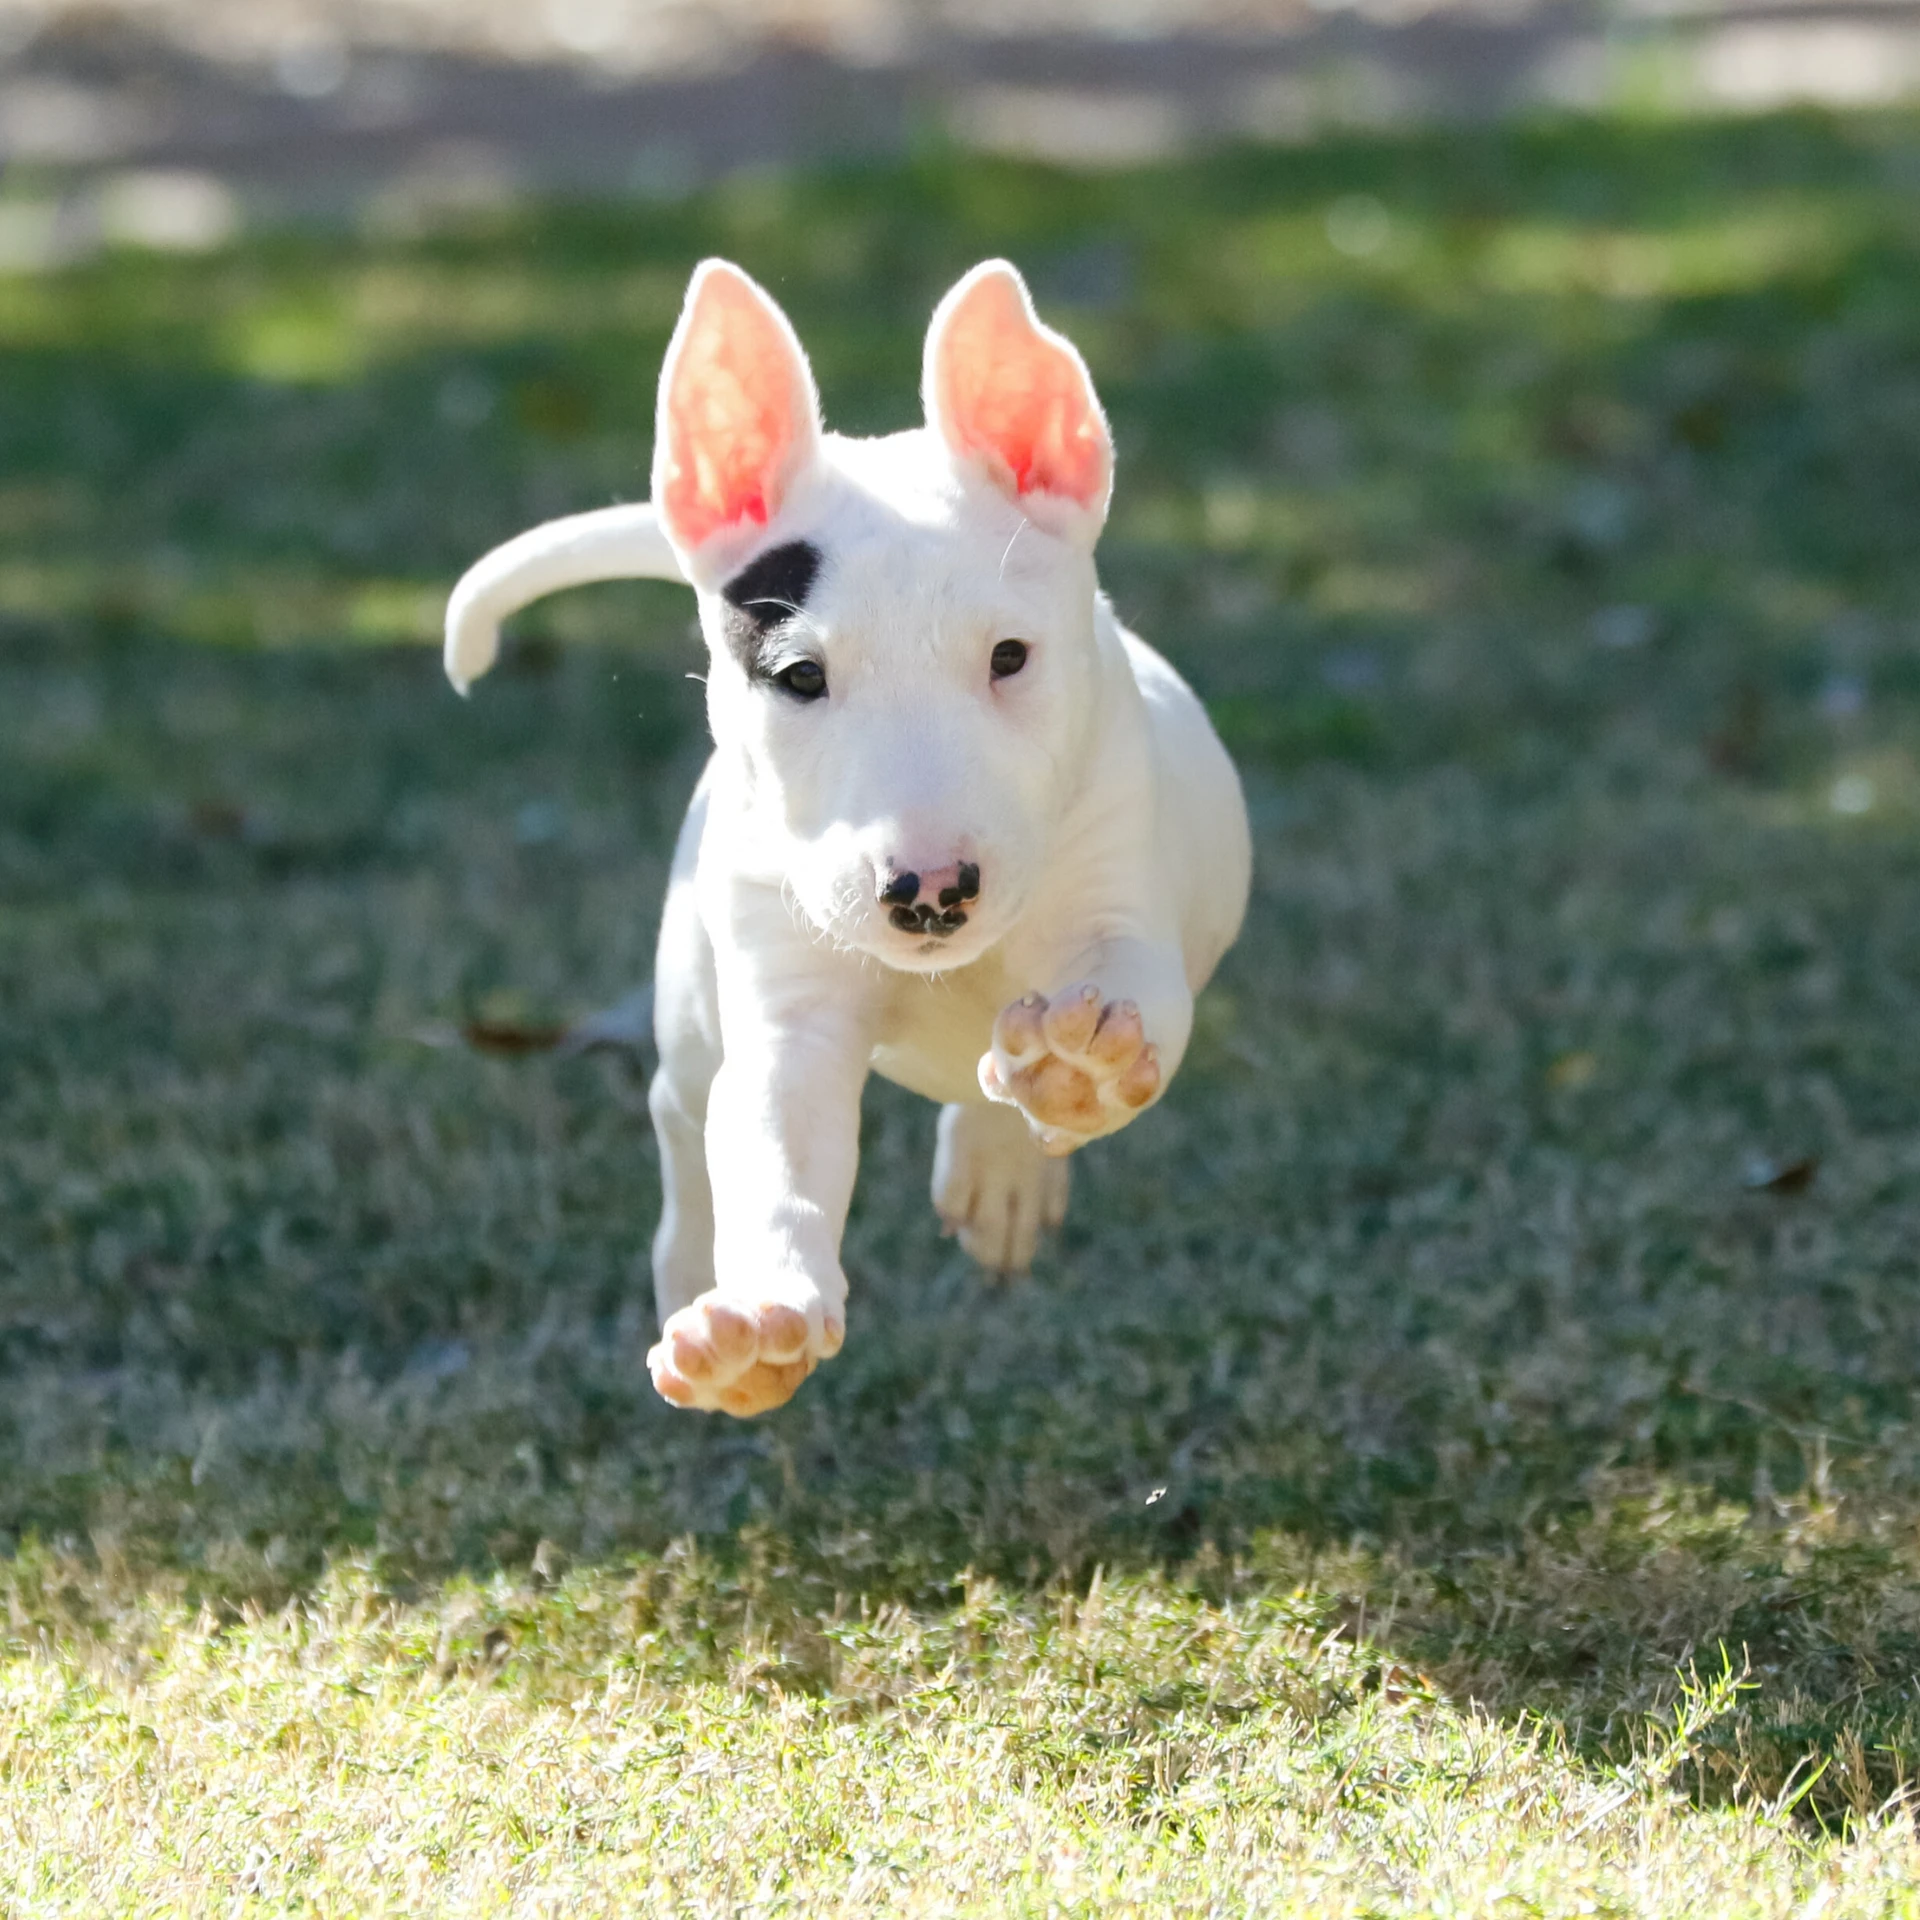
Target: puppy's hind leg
[993,1187]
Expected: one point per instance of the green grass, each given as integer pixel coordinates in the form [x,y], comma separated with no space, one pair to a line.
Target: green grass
[1415,1400]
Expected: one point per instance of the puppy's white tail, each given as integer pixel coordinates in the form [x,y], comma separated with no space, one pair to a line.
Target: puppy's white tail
[617,543]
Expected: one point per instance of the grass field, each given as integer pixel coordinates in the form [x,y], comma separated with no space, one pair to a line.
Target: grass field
[1463,1455]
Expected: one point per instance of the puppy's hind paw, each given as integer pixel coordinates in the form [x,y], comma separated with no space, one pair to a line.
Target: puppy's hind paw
[724,1354]
[1078,1065]
[993,1189]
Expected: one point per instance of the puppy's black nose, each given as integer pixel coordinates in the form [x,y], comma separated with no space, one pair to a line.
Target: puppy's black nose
[966,886]
[931,902]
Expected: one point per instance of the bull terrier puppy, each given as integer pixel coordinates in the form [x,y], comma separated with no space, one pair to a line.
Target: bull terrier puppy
[959,827]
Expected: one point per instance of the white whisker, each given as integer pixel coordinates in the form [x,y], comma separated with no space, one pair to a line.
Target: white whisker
[843,906]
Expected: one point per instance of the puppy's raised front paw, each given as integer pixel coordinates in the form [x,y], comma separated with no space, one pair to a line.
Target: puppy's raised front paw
[1078,1065]
[727,1354]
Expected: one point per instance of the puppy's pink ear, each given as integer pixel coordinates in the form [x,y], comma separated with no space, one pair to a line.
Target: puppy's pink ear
[1012,395]
[739,419]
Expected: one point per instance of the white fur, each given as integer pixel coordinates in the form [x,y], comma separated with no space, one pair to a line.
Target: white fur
[1089,789]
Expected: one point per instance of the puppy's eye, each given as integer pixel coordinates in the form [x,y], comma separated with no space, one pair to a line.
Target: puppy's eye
[1008,658]
[805,679]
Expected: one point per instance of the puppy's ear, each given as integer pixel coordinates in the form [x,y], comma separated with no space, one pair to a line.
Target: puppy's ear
[738,423]
[1013,399]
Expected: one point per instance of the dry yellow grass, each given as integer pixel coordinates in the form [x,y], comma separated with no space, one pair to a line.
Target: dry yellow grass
[1132,1750]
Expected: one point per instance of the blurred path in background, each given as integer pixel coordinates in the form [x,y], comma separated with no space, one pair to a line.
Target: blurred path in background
[169,122]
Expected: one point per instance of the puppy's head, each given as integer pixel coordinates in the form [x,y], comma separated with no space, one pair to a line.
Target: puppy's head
[904,665]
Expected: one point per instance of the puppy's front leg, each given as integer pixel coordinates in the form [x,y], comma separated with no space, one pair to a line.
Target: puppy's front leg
[783,1140]
[1084,1059]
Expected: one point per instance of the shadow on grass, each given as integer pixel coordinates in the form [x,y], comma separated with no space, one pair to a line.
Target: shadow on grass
[1547,564]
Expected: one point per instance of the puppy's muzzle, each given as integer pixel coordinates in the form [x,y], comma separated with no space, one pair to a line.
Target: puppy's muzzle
[930,905]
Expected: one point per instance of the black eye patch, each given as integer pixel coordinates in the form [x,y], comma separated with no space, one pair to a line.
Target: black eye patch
[763,596]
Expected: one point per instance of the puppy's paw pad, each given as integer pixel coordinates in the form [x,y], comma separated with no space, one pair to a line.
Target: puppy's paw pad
[737,1356]
[1078,1065]
[765,1384]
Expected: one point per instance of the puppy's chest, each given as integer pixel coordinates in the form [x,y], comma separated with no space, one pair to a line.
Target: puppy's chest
[932,1032]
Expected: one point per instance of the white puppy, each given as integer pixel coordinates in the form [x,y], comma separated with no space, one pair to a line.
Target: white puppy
[959,826]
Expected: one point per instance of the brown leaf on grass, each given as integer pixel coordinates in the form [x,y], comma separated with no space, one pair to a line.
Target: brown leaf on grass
[217,819]
[512,1036]
[626,1026]
[1572,1070]
[1396,1683]
[1766,1175]
[1737,747]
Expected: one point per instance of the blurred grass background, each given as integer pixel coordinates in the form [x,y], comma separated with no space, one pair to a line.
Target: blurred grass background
[1523,1264]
